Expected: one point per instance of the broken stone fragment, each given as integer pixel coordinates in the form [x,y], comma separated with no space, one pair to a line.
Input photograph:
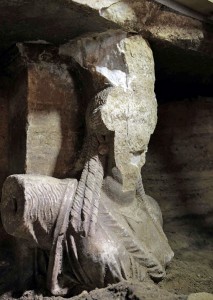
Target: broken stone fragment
[129,109]
[30,207]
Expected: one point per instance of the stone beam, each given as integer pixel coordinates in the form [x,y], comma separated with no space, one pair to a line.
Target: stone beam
[155,22]
[29,20]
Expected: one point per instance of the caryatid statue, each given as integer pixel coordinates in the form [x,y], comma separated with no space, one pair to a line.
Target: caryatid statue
[104,228]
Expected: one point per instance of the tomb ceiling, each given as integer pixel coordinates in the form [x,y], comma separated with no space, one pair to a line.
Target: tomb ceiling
[205,6]
[59,21]
[182,45]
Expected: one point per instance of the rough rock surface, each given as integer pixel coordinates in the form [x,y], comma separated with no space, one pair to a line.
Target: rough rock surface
[4,138]
[121,291]
[150,18]
[122,238]
[178,173]
[32,20]
[44,112]
[179,164]
[112,60]
[185,184]
[200,296]
[51,20]
[23,206]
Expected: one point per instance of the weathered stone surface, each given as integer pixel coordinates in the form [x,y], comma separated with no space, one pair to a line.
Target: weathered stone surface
[153,20]
[108,230]
[30,215]
[200,296]
[44,113]
[139,17]
[179,166]
[197,7]
[174,38]
[4,140]
[112,59]
[4,137]
[29,20]
[17,102]
[54,125]
[51,20]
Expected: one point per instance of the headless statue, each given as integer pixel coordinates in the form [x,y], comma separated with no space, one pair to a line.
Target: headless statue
[104,228]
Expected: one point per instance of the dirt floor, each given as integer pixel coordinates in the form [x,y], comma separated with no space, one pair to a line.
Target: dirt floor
[191,270]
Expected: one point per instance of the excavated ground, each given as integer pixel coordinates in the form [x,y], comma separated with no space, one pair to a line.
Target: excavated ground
[192,267]
[191,270]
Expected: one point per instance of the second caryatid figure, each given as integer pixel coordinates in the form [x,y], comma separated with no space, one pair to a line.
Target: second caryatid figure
[103,228]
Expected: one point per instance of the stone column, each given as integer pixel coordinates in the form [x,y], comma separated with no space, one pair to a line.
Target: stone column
[45,114]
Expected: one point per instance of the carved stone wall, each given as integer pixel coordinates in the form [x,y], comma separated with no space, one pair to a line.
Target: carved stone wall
[3,137]
[178,171]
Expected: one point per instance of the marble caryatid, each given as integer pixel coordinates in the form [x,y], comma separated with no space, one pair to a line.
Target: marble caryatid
[103,228]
